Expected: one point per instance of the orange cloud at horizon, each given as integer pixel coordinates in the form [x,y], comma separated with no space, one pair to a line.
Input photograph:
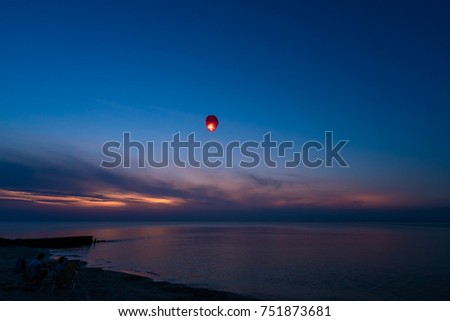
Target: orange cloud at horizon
[101,200]
[230,192]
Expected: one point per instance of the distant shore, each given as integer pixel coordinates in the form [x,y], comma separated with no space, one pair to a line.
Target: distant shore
[98,284]
[52,242]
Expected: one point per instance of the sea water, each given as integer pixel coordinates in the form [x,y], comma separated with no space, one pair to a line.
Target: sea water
[295,261]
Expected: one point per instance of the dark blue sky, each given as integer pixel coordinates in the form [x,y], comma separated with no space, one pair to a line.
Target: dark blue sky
[75,74]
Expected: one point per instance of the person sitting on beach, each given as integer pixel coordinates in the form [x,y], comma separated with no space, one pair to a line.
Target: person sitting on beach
[60,266]
[36,270]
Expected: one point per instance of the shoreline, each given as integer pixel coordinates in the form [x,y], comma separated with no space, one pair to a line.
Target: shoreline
[98,284]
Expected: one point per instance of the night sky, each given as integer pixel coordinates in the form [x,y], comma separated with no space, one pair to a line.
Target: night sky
[76,74]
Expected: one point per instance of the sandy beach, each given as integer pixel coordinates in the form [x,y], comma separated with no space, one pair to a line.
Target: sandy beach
[98,284]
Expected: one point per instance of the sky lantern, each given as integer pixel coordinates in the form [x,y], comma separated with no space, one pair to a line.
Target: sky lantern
[211,123]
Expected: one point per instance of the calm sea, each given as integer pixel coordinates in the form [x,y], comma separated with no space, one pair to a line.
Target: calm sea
[301,261]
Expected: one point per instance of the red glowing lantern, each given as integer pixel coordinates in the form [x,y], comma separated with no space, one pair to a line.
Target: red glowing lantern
[211,123]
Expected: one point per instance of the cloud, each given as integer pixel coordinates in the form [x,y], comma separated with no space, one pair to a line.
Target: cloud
[69,175]
[266,181]
[67,182]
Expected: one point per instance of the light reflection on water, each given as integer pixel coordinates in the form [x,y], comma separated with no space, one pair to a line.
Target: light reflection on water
[296,261]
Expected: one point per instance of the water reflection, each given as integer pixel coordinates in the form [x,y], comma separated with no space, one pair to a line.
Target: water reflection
[300,261]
